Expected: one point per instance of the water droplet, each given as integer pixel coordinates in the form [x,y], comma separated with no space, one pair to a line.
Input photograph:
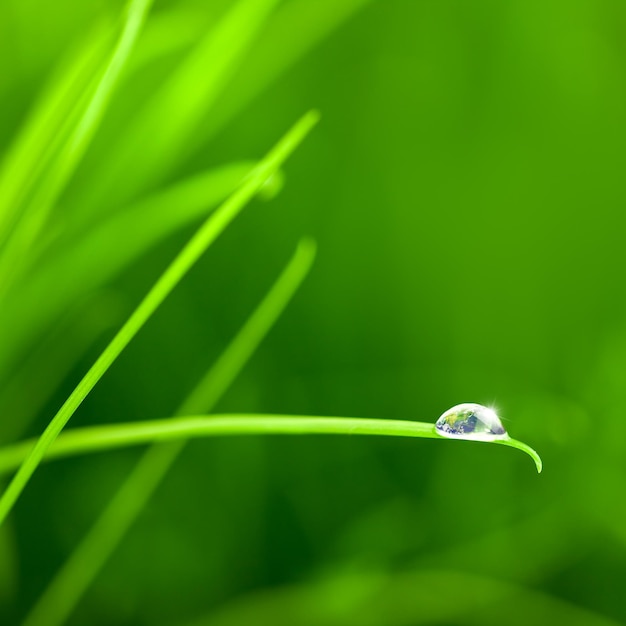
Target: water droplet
[471,421]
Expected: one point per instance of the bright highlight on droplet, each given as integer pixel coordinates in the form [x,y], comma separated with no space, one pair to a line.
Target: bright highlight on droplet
[471,421]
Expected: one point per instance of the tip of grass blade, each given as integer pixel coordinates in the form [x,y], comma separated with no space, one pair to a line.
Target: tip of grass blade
[314,115]
[505,441]
[308,121]
[307,248]
[294,136]
[520,445]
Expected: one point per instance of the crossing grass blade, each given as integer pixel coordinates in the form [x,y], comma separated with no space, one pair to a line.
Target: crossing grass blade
[207,233]
[30,151]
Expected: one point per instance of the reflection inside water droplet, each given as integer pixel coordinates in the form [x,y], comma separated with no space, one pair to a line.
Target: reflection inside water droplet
[471,421]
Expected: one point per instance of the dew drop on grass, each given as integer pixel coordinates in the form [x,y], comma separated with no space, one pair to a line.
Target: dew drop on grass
[471,421]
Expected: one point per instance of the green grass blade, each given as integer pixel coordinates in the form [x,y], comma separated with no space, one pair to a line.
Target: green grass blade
[52,359]
[112,436]
[125,235]
[172,30]
[30,150]
[218,379]
[87,258]
[166,283]
[37,210]
[67,587]
[520,445]
[184,101]
[295,29]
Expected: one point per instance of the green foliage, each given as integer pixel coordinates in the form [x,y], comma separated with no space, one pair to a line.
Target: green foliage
[66,589]
[174,273]
[464,189]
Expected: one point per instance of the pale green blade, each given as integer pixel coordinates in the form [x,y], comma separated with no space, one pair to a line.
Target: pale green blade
[295,28]
[65,162]
[184,101]
[30,151]
[171,30]
[83,261]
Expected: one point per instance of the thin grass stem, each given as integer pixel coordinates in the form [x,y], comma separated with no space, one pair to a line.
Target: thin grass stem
[207,233]
[63,593]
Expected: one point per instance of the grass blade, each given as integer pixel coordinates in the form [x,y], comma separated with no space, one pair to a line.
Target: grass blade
[87,258]
[184,101]
[112,436]
[295,29]
[37,210]
[30,150]
[166,283]
[53,359]
[125,235]
[65,590]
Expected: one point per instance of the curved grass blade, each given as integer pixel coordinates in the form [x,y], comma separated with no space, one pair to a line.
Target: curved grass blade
[294,29]
[82,440]
[37,210]
[127,234]
[207,233]
[520,445]
[31,148]
[71,581]
[184,101]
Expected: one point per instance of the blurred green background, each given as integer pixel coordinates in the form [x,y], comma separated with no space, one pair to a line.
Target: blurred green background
[466,190]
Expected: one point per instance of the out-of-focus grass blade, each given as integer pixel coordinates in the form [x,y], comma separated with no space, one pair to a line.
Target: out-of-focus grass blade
[66,160]
[8,565]
[52,360]
[81,262]
[65,590]
[294,29]
[169,31]
[207,233]
[171,207]
[408,597]
[31,148]
[178,108]
[51,118]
